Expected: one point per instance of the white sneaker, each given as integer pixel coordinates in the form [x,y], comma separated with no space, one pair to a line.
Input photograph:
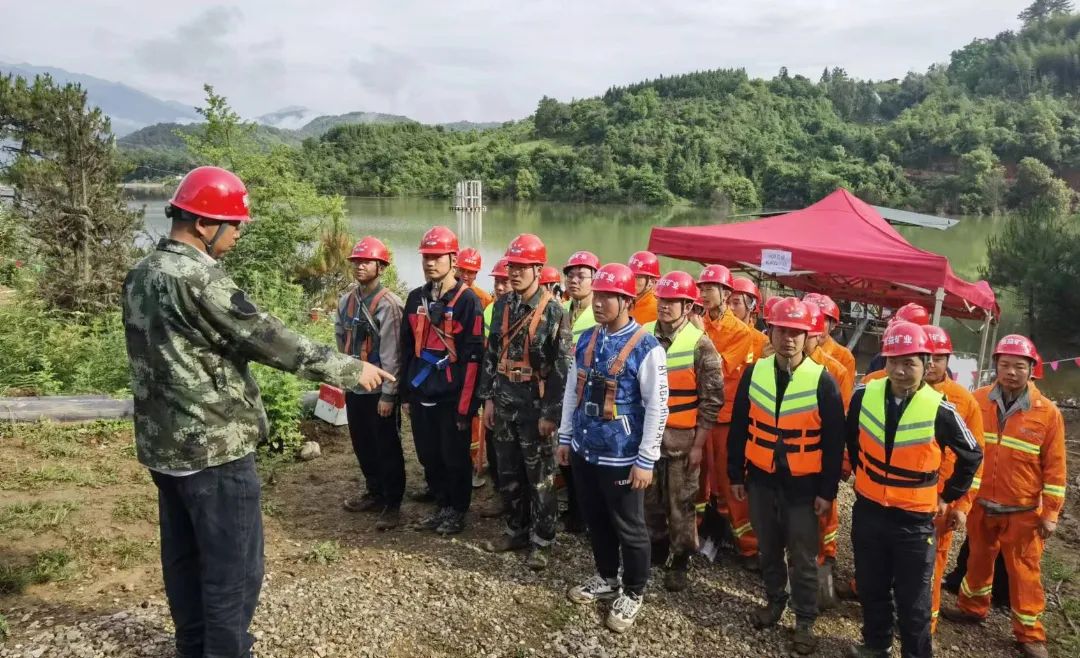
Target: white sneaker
[594,589]
[623,612]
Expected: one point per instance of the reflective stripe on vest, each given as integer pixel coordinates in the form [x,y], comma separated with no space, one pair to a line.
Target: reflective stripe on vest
[908,479]
[583,322]
[796,429]
[682,378]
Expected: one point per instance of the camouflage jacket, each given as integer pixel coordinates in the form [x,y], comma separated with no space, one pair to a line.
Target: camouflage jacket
[549,356]
[710,391]
[190,336]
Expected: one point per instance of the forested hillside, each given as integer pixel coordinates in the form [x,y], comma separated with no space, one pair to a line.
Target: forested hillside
[948,139]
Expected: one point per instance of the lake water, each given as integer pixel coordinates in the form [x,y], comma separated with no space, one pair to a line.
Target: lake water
[614,232]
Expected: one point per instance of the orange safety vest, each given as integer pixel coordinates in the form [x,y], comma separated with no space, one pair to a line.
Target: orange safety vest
[351,307]
[795,428]
[445,332]
[611,382]
[521,370]
[908,479]
[682,377]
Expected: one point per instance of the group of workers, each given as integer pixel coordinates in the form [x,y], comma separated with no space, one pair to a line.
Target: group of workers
[655,399]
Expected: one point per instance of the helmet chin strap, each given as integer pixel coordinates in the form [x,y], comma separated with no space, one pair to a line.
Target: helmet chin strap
[209,244]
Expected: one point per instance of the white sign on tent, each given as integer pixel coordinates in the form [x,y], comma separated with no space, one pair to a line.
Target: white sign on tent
[775,261]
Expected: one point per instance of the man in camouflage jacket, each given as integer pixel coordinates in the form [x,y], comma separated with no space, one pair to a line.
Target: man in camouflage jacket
[525,365]
[198,415]
[696,395]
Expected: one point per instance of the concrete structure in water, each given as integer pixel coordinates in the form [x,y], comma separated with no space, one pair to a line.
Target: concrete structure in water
[468,195]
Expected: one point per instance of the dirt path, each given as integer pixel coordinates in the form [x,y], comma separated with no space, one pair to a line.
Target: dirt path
[337,587]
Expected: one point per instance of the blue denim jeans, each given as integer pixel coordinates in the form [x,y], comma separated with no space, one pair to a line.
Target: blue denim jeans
[212,557]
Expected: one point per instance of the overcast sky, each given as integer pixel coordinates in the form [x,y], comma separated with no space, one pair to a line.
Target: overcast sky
[481,60]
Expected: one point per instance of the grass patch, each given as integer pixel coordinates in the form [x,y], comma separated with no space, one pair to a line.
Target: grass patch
[325,552]
[35,517]
[270,508]
[135,508]
[47,566]
[118,552]
[1055,570]
[4,630]
[44,477]
[1070,641]
[126,553]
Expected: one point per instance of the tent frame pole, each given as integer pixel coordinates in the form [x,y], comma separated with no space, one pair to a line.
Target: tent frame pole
[939,301]
[982,346]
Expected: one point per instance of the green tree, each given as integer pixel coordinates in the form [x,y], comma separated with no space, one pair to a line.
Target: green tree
[1040,10]
[290,213]
[1037,255]
[66,174]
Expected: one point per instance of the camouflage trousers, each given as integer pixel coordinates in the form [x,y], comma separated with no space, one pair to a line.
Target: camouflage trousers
[526,463]
[670,502]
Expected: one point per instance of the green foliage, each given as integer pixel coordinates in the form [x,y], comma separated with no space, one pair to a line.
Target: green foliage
[47,566]
[4,630]
[325,552]
[65,173]
[1037,254]
[48,354]
[34,517]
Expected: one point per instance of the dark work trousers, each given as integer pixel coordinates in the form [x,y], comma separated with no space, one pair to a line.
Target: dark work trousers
[787,535]
[527,477]
[615,515]
[492,458]
[443,450]
[212,557]
[377,444]
[573,510]
[894,556]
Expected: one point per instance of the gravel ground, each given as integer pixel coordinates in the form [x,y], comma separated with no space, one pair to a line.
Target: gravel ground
[407,594]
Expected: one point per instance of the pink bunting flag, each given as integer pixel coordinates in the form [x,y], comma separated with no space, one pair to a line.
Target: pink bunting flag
[1077,360]
[1054,365]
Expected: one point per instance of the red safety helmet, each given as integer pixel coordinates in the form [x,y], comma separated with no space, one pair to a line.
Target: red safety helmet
[549,275]
[645,263]
[768,306]
[716,274]
[370,248]
[469,259]
[582,259]
[940,342]
[526,249]
[826,303]
[790,312]
[615,278]
[913,313]
[817,319]
[213,193]
[437,241]
[500,271]
[1017,345]
[677,285]
[747,287]
[904,338]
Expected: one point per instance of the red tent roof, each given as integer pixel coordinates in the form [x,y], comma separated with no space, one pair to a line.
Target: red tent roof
[840,246]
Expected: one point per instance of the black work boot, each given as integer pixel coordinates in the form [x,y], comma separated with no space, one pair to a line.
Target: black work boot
[767,615]
[389,518]
[538,557]
[506,543]
[804,642]
[676,576]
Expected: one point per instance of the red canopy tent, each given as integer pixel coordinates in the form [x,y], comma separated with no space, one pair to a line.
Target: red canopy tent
[839,246]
